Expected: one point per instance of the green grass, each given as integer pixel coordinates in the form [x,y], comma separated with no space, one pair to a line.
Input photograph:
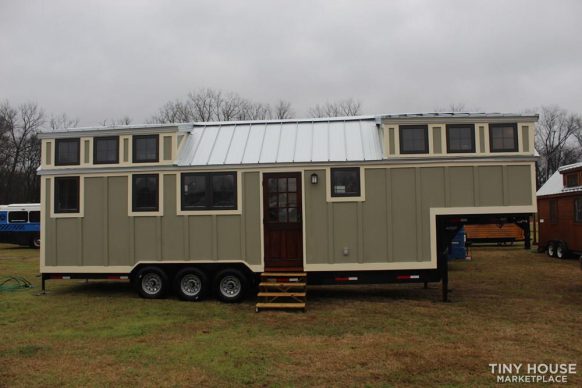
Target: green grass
[508,305]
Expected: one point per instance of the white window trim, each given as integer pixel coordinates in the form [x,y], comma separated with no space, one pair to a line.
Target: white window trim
[81,212]
[360,198]
[160,211]
[237,211]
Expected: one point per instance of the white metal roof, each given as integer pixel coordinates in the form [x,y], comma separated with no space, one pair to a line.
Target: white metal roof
[21,206]
[283,141]
[570,167]
[555,185]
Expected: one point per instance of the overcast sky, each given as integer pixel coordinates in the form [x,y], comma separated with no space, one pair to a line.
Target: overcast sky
[105,59]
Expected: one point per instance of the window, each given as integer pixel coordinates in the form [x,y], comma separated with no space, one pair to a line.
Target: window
[284,199]
[578,209]
[145,148]
[17,217]
[209,191]
[553,211]
[572,180]
[67,152]
[414,139]
[106,150]
[66,195]
[460,138]
[145,192]
[34,217]
[345,182]
[503,137]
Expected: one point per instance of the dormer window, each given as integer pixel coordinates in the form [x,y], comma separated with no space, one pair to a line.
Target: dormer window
[67,152]
[146,149]
[503,137]
[414,139]
[572,180]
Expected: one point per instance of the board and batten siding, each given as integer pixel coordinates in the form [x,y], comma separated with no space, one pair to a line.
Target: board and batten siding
[107,236]
[393,224]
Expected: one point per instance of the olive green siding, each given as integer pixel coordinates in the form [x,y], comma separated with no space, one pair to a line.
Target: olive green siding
[87,152]
[49,153]
[126,150]
[107,236]
[393,223]
[437,144]
[390,225]
[481,139]
[525,138]
[167,147]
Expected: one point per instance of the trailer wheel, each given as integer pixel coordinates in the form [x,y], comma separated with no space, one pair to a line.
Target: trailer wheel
[231,285]
[561,251]
[190,284]
[152,283]
[551,250]
[35,242]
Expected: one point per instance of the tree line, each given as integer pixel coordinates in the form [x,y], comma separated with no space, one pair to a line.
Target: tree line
[558,134]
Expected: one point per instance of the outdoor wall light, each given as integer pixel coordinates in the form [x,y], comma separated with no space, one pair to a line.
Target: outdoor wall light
[314,179]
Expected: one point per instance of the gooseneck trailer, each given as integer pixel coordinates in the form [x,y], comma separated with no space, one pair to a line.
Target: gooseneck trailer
[220,206]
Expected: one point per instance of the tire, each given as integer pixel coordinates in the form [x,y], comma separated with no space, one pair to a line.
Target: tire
[35,242]
[551,250]
[561,251]
[230,285]
[151,283]
[190,284]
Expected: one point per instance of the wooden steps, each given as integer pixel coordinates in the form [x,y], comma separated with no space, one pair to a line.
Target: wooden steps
[277,285]
[282,290]
[290,294]
[272,305]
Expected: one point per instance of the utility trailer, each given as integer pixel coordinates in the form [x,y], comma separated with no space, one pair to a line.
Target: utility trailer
[215,208]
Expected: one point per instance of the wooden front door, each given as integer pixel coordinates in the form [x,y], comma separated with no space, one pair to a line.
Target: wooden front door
[282,221]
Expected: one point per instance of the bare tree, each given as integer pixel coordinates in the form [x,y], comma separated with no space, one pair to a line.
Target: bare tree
[283,110]
[19,152]
[211,105]
[62,121]
[456,108]
[348,107]
[174,112]
[555,131]
[125,120]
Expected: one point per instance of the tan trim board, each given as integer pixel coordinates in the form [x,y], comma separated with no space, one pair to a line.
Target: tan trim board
[129,268]
[43,182]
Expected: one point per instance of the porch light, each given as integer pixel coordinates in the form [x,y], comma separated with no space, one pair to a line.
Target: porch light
[314,179]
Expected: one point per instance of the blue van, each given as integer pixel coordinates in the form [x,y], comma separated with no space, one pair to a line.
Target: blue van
[20,224]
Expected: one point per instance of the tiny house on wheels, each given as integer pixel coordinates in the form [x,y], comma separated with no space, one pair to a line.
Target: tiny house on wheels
[560,212]
[222,206]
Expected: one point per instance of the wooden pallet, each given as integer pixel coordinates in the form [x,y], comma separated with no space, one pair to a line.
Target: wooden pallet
[282,290]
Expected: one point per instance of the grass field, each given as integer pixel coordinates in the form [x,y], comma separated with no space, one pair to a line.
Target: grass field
[508,305]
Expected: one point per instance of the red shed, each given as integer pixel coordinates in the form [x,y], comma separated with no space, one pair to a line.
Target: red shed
[560,212]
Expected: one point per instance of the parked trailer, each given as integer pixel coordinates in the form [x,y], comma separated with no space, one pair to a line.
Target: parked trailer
[494,233]
[560,213]
[20,224]
[280,204]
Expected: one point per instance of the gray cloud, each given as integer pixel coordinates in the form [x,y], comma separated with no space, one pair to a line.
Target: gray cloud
[107,59]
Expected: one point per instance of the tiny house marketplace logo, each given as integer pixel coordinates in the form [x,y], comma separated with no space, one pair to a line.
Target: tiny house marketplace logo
[532,373]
